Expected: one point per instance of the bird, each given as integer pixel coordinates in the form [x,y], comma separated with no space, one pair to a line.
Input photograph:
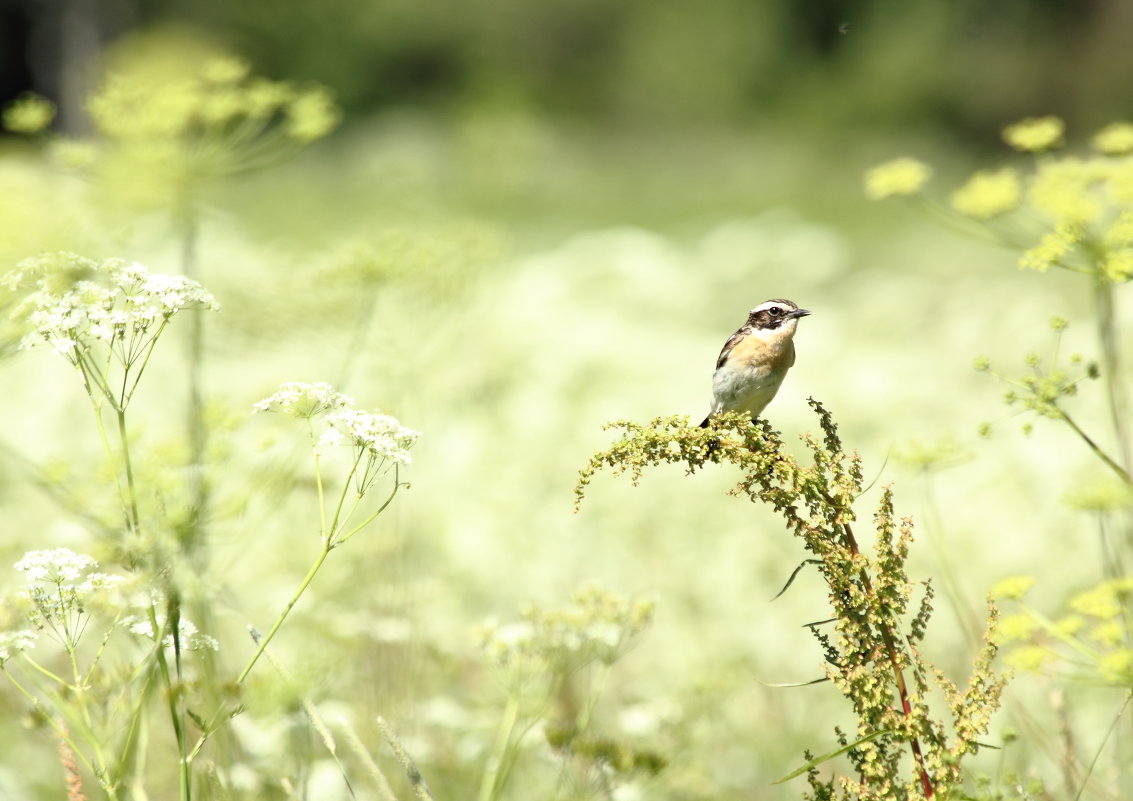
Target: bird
[755,359]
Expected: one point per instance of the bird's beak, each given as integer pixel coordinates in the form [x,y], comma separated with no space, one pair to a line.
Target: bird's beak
[799,313]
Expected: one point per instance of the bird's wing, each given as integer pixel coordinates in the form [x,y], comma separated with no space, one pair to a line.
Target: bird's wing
[734,340]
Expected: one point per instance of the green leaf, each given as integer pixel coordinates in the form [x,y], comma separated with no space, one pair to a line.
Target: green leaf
[794,683]
[827,757]
[794,573]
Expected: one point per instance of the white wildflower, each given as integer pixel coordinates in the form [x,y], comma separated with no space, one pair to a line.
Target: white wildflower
[82,308]
[304,400]
[75,303]
[13,642]
[63,589]
[56,566]
[379,435]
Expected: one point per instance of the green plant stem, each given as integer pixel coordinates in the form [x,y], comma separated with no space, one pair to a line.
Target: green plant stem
[58,679]
[173,696]
[195,423]
[598,683]
[329,534]
[420,788]
[397,485]
[61,732]
[1111,360]
[131,489]
[128,394]
[80,695]
[1121,472]
[318,480]
[489,786]
[318,563]
[381,783]
[1101,746]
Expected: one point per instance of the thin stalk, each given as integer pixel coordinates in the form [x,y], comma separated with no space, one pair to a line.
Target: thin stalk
[488,786]
[198,435]
[173,695]
[62,733]
[1122,473]
[128,394]
[596,685]
[1111,359]
[420,789]
[393,493]
[131,489]
[130,744]
[57,679]
[80,691]
[1109,732]
[318,481]
[109,450]
[323,553]
[385,791]
[328,534]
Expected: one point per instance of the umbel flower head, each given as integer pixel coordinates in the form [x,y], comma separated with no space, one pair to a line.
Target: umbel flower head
[1075,210]
[168,119]
[304,400]
[378,435]
[379,441]
[1035,134]
[99,315]
[903,176]
[62,587]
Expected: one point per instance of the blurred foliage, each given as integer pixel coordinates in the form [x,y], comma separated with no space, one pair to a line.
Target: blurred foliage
[552,218]
[964,65]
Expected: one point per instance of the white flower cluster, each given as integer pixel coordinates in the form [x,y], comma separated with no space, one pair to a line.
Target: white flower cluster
[378,435]
[304,400]
[55,566]
[77,302]
[62,587]
[13,642]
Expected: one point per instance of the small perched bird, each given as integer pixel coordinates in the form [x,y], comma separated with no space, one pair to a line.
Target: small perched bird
[755,360]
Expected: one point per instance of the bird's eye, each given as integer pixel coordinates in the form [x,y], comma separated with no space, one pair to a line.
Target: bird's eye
[774,311]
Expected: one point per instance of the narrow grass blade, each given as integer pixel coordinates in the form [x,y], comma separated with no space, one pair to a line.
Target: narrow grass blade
[827,757]
[794,573]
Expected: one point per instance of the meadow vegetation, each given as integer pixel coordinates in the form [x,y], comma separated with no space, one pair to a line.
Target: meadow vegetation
[296,419]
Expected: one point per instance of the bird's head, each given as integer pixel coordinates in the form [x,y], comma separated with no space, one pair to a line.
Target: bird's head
[776,314]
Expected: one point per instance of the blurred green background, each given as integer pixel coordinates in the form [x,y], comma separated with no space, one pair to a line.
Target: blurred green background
[539,217]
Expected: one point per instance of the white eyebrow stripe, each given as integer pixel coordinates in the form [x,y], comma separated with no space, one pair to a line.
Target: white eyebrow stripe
[768,304]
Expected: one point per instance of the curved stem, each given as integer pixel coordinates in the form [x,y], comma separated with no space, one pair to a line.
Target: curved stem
[397,484]
[286,611]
